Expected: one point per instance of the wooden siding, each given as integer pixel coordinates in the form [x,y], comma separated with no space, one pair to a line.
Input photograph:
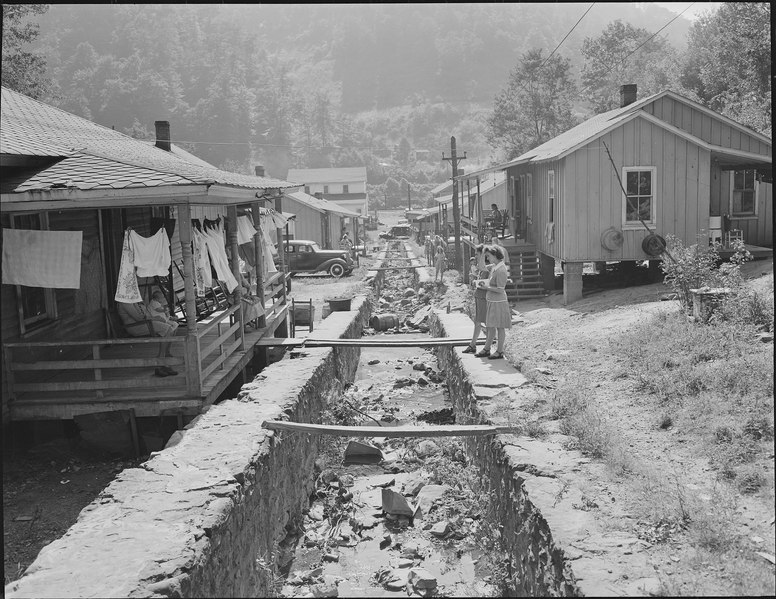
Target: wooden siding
[539,208]
[706,127]
[308,220]
[592,197]
[756,230]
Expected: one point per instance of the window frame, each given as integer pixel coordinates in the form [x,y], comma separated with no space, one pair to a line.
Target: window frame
[345,189]
[626,224]
[743,215]
[41,321]
[551,197]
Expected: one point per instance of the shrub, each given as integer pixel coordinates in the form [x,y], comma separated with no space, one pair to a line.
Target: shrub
[695,267]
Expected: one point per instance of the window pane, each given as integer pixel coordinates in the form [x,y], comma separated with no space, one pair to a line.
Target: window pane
[737,202]
[632,209]
[645,183]
[33,302]
[738,180]
[747,202]
[749,180]
[632,185]
[551,184]
[645,208]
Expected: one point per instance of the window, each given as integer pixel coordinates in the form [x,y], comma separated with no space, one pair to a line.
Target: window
[36,305]
[325,189]
[743,193]
[551,196]
[528,198]
[345,189]
[639,201]
[307,189]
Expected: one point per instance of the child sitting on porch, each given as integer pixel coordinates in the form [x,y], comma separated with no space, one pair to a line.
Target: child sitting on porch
[141,320]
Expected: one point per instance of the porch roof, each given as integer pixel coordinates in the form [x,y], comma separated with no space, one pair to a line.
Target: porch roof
[321,204]
[87,156]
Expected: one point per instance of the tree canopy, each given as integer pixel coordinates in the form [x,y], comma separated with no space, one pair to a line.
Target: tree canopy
[22,70]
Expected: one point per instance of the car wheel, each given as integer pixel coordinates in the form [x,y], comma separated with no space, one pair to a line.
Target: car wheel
[336,270]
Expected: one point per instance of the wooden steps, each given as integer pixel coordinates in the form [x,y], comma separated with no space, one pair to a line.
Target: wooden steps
[525,273]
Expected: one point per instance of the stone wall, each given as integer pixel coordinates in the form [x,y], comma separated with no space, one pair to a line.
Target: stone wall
[202,518]
[516,479]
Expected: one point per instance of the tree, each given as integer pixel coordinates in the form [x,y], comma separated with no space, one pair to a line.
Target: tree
[625,54]
[534,106]
[728,62]
[22,71]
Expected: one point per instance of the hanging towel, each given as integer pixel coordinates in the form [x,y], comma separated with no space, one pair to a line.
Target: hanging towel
[127,290]
[152,254]
[245,230]
[268,251]
[50,259]
[217,248]
[549,232]
[203,278]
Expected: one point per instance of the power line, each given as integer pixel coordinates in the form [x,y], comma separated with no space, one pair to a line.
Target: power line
[568,34]
[653,35]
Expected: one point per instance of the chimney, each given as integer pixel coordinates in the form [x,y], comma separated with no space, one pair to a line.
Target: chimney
[259,170]
[627,94]
[163,135]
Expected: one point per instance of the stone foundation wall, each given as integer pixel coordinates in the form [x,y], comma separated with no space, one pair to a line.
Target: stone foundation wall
[538,564]
[202,518]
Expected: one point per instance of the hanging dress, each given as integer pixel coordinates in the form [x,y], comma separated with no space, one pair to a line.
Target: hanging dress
[217,248]
[127,290]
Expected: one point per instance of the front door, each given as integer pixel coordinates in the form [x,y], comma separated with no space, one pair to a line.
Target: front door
[520,210]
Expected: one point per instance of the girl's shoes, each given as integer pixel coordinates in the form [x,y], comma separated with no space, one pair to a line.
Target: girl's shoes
[496,355]
[470,349]
[483,353]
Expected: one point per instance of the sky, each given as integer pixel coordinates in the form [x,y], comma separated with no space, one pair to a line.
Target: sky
[693,12]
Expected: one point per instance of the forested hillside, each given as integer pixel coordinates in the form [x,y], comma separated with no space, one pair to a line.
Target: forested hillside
[333,85]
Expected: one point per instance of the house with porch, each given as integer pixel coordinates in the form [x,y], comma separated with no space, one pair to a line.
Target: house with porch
[660,165]
[320,220]
[343,186]
[80,188]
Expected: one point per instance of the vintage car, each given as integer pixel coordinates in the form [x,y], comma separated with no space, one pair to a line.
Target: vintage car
[397,232]
[303,255]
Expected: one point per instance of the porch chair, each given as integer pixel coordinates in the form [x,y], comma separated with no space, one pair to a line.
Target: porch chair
[733,235]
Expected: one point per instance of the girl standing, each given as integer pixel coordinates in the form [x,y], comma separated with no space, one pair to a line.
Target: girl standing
[441,263]
[480,271]
[499,316]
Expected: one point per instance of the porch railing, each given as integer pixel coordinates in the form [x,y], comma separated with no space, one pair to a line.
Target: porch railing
[219,339]
[91,367]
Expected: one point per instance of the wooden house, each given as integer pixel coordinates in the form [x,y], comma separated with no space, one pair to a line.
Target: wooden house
[678,167]
[319,220]
[343,186]
[64,353]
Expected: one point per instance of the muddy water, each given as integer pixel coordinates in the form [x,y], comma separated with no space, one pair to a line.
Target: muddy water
[349,545]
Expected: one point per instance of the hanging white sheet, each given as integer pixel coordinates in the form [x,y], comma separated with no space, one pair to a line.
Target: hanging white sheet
[245,230]
[216,246]
[152,254]
[50,259]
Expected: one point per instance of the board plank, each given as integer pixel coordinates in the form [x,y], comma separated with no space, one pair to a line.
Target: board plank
[449,430]
[362,342]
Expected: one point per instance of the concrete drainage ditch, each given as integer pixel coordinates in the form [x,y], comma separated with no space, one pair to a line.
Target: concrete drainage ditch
[205,517]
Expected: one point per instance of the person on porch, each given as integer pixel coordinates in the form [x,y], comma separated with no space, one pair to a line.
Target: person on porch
[152,320]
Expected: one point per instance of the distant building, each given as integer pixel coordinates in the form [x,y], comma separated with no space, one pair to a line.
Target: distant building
[344,186]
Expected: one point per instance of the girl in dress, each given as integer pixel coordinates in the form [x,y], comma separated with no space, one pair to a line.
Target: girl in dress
[441,263]
[499,316]
[479,272]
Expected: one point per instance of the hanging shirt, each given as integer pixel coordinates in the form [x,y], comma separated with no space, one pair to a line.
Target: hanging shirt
[245,230]
[152,254]
[217,248]
[50,259]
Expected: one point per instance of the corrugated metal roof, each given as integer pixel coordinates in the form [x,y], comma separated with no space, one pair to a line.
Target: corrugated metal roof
[327,175]
[320,204]
[32,128]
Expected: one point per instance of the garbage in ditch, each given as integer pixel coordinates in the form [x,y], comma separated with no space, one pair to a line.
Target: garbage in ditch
[394,516]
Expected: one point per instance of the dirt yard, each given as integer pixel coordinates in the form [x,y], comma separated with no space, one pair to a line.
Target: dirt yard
[658,467]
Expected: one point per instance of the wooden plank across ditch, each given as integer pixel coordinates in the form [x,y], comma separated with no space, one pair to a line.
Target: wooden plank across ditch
[399,267]
[362,342]
[448,430]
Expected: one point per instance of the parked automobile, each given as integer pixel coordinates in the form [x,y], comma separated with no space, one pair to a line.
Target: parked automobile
[397,232]
[303,255]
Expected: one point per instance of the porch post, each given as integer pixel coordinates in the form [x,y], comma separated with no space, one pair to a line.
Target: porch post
[193,365]
[234,259]
[479,211]
[281,245]
[258,250]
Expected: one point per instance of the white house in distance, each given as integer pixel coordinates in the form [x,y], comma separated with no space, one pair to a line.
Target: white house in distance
[344,186]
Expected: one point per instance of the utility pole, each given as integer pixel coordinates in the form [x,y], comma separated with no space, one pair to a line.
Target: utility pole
[454,160]
[409,201]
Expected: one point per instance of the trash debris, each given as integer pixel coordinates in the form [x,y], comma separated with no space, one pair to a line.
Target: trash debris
[395,504]
[362,453]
